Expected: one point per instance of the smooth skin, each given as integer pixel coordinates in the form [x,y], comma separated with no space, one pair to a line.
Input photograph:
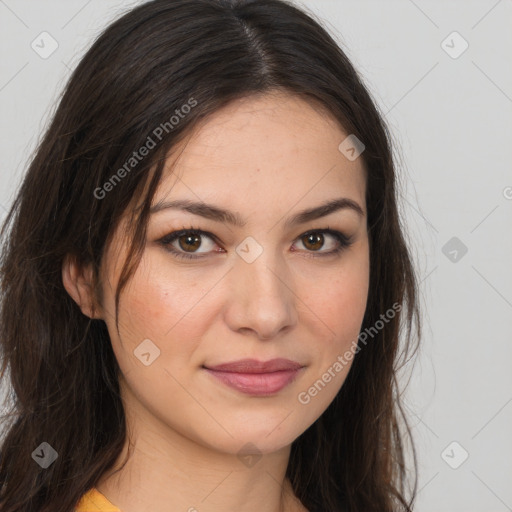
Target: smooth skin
[264,158]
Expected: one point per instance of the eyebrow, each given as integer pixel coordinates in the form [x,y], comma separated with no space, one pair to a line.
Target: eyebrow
[215,213]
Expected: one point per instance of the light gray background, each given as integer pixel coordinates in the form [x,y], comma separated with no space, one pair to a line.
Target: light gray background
[452,120]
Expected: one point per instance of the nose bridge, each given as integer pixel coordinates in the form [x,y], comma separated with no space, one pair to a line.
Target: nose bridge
[260,271]
[263,275]
[261,291]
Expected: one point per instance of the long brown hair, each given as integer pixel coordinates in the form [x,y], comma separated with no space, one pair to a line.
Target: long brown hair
[59,365]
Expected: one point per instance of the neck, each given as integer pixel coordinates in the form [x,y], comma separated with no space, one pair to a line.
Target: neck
[167,471]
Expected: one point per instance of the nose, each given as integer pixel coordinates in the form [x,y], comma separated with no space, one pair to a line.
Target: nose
[261,299]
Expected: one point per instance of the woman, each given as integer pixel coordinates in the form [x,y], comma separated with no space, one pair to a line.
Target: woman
[204,277]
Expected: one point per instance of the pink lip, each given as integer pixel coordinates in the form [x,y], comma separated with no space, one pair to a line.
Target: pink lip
[255,377]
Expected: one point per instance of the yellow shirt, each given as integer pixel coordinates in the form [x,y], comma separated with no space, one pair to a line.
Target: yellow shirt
[94,501]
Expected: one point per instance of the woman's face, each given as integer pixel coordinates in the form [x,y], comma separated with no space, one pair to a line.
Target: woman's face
[261,290]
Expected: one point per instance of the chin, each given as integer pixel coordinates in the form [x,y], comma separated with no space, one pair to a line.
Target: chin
[255,440]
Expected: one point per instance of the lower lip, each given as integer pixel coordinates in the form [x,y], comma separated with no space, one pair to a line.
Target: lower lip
[260,384]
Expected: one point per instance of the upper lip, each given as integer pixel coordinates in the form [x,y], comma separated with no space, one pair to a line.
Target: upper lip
[255,366]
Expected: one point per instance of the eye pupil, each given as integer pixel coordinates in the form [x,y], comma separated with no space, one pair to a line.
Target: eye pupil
[311,239]
[189,244]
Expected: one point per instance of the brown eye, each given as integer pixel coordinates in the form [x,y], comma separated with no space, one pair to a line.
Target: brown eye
[186,243]
[189,243]
[313,241]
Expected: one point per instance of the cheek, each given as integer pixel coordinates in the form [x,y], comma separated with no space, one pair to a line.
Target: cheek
[339,313]
[162,298]
[167,307]
[339,299]
[343,314]
[338,308]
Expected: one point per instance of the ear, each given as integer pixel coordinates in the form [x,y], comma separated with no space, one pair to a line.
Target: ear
[78,281]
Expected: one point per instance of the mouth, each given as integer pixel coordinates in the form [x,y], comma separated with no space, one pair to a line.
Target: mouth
[256,378]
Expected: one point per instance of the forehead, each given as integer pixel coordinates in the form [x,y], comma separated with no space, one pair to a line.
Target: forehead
[268,151]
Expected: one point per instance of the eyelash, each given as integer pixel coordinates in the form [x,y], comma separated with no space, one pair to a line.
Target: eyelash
[343,240]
